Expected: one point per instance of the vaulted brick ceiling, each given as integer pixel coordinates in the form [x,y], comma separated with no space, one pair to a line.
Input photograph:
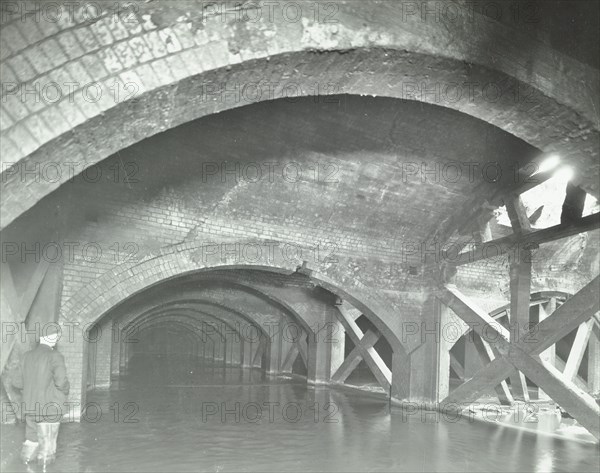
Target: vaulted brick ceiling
[370,153]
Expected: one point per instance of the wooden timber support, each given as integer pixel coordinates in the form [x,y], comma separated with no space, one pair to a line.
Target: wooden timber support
[523,354]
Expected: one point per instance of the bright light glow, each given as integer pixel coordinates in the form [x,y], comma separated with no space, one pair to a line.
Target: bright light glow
[564,174]
[549,163]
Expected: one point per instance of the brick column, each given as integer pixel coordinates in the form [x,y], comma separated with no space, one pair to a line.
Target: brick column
[430,362]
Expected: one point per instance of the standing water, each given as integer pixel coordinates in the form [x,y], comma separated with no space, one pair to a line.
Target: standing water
[170,416]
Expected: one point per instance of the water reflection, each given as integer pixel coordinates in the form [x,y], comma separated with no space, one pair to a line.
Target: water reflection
[172,416]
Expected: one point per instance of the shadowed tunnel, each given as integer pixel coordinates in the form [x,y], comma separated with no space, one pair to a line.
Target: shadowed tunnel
[301,236]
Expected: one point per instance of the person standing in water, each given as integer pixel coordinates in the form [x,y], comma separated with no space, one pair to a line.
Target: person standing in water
[43,380]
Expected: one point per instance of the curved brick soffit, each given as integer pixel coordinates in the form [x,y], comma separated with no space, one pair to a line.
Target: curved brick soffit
[193,305]
[189,309]
[150,319]
[549,113]
[190,330]
[212,297]
[121,282]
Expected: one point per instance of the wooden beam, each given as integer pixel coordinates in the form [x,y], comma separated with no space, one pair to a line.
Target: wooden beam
[350,325]
[594,362]
[355,357]
[514,242]
[548,355]
[520,299]
[519,354]
[457,367]
[578,380]
[350,310]
[578,403]
[578,349]
[575,311]
[16,309]
[302,344]
[486,355]
[378,367]
[517,214]
[298,348]
[290,357]
[348,366]
[33,286]
[258,354]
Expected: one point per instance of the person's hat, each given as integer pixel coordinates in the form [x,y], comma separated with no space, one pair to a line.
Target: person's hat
[50,334]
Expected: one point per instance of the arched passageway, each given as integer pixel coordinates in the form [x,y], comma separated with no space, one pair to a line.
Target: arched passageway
[279,207]
[299,328]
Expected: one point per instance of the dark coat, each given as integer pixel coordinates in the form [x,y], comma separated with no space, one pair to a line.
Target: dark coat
[43,379]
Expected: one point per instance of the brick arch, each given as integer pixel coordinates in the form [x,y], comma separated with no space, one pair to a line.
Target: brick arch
[140,321]
[189,331]
[173,321]
[94,300]
[184,321]
[183,304]
[173,58]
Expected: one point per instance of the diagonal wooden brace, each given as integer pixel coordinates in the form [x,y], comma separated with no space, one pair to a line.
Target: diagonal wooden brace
[355,357]
[381,372]
[299,348]
[523,354]
[486,354]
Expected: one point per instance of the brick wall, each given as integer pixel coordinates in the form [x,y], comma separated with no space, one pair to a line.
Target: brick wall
[164,54]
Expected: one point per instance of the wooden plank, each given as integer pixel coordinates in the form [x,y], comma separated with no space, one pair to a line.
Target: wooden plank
[302,344]
[356,356]
[594,362]
[350,326]
[256,361]
[548,355]
[577,350]
[375,363]
[578,380]
[520,295]
[348,365]
[486,355]
[16,309]
[457,367]
[513,242]
[378,367]
[350,311]
[290,357]
[575,311]
[517,214]
[575,401]
[33,286]
[298,348]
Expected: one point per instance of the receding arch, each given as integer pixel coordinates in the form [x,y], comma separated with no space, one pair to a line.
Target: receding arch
[91,302]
